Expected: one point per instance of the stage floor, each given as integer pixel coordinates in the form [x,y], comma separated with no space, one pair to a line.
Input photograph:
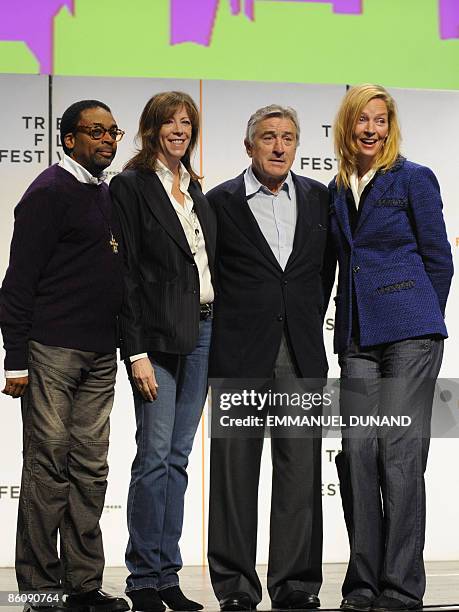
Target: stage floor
[442,584]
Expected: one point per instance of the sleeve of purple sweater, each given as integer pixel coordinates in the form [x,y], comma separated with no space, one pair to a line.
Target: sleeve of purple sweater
[36,232]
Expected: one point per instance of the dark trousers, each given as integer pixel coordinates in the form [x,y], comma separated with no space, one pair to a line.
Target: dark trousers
[295,546]
[65,415]
[382,473]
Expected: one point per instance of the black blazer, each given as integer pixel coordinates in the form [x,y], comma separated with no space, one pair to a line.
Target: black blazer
[256,298]
[161,303]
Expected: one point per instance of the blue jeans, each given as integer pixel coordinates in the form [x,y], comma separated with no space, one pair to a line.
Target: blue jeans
[165,433]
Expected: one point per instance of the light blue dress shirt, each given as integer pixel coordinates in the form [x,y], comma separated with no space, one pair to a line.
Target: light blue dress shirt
[275,213]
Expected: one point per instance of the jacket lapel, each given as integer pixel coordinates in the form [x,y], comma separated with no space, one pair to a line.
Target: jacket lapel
[239,210]
[342,214]
[304,200]
[160,205]
[381,184]
[202,209]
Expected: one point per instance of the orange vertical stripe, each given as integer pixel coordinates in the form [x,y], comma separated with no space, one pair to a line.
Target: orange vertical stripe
[203,427]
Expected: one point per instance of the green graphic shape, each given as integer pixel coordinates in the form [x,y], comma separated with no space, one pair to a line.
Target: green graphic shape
[394,42]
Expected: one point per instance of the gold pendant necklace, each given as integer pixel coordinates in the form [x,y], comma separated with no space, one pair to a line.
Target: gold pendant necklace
[113,243]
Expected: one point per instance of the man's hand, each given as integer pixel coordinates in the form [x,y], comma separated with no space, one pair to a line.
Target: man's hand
[16,387]
[144,379]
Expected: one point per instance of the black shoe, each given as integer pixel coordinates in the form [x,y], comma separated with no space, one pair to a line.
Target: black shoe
[233,602]
[361,603]
[176,600]
[146,600]
[95,601]
[297,600]
[383,603]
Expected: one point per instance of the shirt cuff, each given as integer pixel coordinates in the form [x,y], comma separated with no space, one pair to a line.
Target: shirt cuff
[16,373]
[137,357]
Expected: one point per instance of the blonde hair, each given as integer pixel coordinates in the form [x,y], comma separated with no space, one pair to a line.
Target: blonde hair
[346,150]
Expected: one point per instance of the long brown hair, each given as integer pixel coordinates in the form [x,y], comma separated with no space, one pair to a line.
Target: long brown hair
[346,150]
[159,109]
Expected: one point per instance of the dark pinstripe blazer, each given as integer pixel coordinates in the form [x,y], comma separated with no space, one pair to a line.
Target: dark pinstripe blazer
[161,302]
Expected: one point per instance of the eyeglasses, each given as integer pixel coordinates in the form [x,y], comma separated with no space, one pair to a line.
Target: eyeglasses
[97,132]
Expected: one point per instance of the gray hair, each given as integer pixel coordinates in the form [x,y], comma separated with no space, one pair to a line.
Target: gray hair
[273,110]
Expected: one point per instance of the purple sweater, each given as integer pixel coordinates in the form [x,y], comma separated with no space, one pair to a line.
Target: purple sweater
[63,286]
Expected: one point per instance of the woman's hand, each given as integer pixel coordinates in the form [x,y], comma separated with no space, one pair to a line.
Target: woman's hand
[144,379]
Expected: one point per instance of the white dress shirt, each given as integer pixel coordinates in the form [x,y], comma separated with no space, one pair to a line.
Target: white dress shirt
[275,213]
[357,186]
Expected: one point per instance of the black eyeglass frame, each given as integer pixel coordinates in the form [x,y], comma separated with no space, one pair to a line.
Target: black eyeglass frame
[90,129]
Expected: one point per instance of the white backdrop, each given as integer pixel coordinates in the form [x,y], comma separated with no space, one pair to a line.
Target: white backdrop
[430,126]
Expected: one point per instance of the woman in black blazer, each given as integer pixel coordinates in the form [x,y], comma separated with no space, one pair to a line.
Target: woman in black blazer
[169,239]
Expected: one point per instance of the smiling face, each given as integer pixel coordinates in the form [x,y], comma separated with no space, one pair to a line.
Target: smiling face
[370,133]
[94,155]
[272,150]
[174,137]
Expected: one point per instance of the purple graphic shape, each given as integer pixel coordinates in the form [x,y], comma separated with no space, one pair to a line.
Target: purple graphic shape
[193,20]
[449,18]
[32,22]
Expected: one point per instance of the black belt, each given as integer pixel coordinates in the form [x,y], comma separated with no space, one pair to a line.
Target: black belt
[205,311]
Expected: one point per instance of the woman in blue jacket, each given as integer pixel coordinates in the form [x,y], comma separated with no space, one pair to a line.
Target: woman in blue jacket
[395,270]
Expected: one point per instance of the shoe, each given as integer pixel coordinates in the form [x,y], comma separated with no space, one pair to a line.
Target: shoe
[383,603]
[236,601]
[146,600]
[297,600]
[95,601]
[361,603]
[174,599]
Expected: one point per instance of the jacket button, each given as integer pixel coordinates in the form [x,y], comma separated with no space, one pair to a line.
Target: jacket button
[355,269]
[280,317]
[284,282]
[195,290]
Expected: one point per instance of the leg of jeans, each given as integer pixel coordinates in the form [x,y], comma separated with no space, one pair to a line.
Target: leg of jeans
[411,368]
[82,550]
[191,395]
[149,476]
[47,414]
[358,472]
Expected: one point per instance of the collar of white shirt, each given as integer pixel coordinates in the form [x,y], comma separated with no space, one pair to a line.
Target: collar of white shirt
[357,186]
[80,173]
[165,174]
[253,185]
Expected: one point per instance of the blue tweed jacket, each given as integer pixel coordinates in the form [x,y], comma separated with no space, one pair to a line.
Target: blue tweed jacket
[399,259]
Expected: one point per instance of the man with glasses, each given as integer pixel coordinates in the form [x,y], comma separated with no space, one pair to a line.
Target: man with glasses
[58,306]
